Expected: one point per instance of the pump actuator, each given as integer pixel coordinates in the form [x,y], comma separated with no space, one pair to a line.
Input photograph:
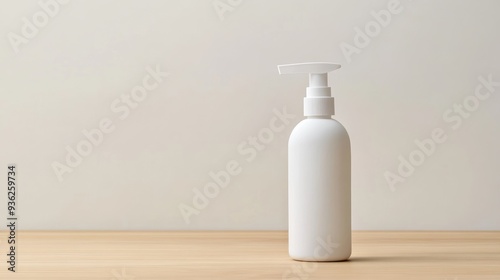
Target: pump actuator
[318,100]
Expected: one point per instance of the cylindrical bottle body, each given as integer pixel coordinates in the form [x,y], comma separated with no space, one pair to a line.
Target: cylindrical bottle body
[319,191]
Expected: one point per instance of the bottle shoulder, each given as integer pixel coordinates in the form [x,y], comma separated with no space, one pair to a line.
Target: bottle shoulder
[320,129]
[320,125]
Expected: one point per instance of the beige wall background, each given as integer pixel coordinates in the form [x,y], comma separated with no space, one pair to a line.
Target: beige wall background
[204,146]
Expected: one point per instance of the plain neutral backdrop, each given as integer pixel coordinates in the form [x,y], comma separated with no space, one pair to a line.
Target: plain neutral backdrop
[221,95]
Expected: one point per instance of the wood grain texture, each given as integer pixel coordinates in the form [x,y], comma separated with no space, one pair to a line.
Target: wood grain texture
[248,255]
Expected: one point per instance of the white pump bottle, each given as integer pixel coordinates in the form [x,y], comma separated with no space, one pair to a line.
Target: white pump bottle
[319,174]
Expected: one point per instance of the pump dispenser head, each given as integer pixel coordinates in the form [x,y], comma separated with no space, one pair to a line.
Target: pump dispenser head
[318,100]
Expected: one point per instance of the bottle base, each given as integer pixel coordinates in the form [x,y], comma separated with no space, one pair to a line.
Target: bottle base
[323,259]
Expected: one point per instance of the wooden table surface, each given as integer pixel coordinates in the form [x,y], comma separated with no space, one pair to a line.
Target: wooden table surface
[247,255]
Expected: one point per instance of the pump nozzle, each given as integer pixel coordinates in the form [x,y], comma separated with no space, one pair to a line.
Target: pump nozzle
[308,68]
[319,100]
